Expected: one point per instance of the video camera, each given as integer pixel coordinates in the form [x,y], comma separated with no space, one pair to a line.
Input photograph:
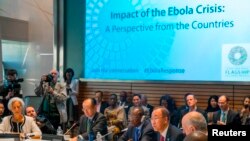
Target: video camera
[14,84]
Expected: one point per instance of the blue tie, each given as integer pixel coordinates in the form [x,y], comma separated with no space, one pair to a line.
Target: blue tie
[136,136]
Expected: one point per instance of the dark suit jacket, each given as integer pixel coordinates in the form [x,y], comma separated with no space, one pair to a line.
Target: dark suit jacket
[173,134]
[233,118]
[99,124]
[185,111]
[150,109]
[146,134]
[126,107]
[104,105]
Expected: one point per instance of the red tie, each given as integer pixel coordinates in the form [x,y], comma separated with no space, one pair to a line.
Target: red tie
[162,138]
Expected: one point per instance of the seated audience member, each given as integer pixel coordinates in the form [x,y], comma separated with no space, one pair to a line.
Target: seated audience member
[100,104]
[144,102]
[225,116]
[140,128]
[168,102]
[196,136]
[212,104]
[183,107]
[245,111]
[17,122]
[160,121]
[192,106]
[115,115]
[43,123]
[194,121]
[1,111]
[91,121]
[124,103]
[136,103]
[212,107]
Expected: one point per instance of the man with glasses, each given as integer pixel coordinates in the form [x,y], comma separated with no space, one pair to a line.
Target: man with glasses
[140,128]
[161,123]
[92,121]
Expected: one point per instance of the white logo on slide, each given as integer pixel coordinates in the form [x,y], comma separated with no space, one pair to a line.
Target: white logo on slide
[235,64]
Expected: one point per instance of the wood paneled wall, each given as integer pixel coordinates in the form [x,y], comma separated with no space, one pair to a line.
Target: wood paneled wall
[154,91]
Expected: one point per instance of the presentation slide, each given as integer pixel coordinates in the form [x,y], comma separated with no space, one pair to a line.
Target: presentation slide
[183,40]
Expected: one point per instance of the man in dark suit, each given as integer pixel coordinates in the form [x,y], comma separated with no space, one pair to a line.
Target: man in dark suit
[225,116]
[101,105]
[144,102]
[92,121]
[140,128]
[192,106]
[160,120]
[124,102]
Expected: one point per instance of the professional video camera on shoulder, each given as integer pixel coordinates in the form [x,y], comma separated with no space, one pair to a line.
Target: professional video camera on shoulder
[12,80]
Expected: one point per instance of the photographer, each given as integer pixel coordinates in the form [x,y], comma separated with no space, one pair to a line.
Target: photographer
[53,105]
[10,89]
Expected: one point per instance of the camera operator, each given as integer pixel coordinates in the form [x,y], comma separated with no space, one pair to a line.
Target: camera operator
[10,89]
[53,105]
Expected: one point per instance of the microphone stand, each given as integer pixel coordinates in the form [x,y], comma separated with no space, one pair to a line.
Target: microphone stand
[124,130]
[71,128]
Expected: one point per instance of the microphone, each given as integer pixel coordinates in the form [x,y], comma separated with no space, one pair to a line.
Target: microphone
[75,124]
[124,130]
[29,135]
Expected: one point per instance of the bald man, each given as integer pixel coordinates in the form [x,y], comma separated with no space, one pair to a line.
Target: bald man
[196,136]
[194,121]
[225,116]
[91,121]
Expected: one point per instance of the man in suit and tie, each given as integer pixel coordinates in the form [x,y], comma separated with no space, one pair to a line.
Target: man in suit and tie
[124,102]
[91,121]
[225,116]
[160,120]
[101,105]
[140,128]
[192,106]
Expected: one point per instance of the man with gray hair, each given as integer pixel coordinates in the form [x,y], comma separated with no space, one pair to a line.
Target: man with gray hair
[194,121]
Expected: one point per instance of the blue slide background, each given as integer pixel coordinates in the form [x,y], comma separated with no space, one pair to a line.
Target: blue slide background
[176,54]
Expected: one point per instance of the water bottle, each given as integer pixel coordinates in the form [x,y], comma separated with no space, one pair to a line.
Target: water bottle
[59,131]
[91,136]
[98,136]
